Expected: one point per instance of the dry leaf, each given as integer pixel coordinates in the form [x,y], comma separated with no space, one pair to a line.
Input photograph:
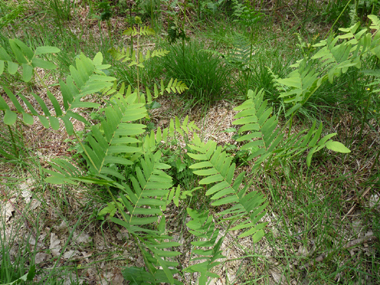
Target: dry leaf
[70,254]
[35,204]
[8,211]
[118,279]
[27,195]
[62,226]
[302,251]
[374,201]
[40,257]
[54,244]
[82,238]
[277,277]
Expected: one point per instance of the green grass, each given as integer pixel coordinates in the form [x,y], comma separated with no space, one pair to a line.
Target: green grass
[308,213]
[205,75]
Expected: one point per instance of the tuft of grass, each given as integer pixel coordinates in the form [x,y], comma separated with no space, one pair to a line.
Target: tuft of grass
[204,73]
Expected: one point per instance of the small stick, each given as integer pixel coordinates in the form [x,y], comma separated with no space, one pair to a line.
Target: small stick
[352,243]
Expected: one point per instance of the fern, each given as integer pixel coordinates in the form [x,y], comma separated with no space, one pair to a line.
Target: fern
[137,59]
[144,207]
[215,166]
[265,141]
[203,227]
[85,78]
[334,56]
[111,142]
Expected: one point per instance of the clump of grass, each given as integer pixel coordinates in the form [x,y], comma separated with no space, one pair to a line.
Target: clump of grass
[204,73]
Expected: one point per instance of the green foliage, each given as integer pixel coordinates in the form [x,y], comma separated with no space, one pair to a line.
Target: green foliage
[175,32]
[203,227]
[14,267]
[265,141]
[135,164]
[59,9]
[106,12]
[137,58]
[8,14]
[203,72]
[327,61]
[215,166]
[92,79]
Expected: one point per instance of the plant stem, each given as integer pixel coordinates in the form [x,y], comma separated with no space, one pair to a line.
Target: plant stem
[13,142]
[366,112]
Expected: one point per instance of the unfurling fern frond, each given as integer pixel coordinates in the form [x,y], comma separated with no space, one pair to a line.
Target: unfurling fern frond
[215,166]
[203,227]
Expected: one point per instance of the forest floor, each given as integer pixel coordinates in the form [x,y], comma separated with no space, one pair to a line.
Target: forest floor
[323,220]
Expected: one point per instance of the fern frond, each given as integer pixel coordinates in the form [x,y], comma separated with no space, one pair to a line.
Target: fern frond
[215,166]
[25,58]
[152,141]
[264,139]
[298,86]
[143,31]
[150,189]
[85,78]
[259,127]
[203,227]
[122,54]
[113,142]
[158,254]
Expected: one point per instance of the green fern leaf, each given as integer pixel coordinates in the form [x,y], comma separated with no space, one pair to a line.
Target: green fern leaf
[202,226]
[215,165]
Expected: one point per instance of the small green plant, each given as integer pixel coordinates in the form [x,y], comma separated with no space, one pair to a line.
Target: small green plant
[136,58]
[15,267]
[203,72]
[329,59]
[61,9]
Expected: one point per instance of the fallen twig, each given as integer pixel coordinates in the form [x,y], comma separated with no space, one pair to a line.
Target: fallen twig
[352,243]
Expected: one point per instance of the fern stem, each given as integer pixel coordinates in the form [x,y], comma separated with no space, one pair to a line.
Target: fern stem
[337,19]
[84,149]
[137,67]
[146,261]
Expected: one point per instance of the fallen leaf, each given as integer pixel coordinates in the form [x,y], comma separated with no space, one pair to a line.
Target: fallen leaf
[70,254]
[118,279]
[302,251]
[82,238]
[27,195]
[40,257]
[86,255]
[277,277]
[35,204]
[374,201]
[8,211]
[54,244]
[63,225]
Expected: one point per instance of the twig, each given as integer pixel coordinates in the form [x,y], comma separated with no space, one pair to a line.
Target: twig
[353,207]
[352,243]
